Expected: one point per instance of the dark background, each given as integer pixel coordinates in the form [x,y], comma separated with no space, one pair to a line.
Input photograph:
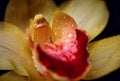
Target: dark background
[113,28]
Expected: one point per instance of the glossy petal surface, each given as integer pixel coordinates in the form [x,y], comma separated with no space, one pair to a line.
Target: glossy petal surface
[90,15]
[62,54]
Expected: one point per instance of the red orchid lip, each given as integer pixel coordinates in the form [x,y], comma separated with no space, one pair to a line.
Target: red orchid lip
[64,59]
[68,68]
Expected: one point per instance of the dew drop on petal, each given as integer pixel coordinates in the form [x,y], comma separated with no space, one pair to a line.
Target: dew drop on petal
[70,35]
[65,23]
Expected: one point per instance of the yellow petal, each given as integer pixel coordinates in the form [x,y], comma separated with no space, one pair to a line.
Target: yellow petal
[15,53]
[90,15]
[104,57]
[19,12]
[12,76]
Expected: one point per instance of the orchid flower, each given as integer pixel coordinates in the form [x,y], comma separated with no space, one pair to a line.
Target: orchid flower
[56,44]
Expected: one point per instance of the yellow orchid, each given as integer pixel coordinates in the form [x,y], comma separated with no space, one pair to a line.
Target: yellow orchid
[56,45]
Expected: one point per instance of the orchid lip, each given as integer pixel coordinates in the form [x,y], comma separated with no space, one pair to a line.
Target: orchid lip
[64,53]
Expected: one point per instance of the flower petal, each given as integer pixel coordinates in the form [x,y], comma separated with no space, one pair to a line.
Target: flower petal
[90,15]
[15,53]
[104,57]
[12,76]
[64,56]
[19,12]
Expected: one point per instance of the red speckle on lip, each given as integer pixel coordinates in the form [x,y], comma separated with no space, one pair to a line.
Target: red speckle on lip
[66,68]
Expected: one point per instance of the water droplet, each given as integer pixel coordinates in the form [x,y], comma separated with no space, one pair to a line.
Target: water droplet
[39,25]
[33,57]
[35,65]
[67,40]
[55,33]
[73,57]
[70,35]
[65,23]
[63,33]
[87,48]
[64,17]
[65,47]
[72,25]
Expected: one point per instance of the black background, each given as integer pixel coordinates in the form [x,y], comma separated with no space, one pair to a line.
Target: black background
[112,28]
